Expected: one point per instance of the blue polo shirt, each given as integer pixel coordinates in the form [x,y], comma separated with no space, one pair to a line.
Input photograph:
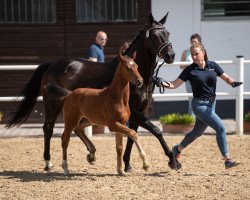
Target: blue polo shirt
[96,51]
[203,81]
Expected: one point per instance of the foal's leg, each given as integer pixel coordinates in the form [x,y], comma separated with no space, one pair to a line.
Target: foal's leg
[128,149]
[118,127]
[119,149]
[79,130]
[71,120]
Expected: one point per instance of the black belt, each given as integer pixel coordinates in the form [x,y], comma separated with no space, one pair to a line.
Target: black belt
[205,98]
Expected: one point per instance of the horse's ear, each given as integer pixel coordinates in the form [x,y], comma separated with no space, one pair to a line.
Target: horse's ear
[163,20]
[150,19]
[134,55]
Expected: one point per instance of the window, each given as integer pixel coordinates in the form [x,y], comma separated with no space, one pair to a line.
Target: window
[27,11]
[106,10]
[230,9]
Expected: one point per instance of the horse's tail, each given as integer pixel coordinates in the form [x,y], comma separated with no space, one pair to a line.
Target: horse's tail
[56,91]
[30,93]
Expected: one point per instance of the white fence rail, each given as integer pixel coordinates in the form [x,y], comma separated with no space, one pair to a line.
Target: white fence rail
[238,95]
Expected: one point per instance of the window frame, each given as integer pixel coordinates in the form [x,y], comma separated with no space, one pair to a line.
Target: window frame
[34,21]
[220,18]
[107,21]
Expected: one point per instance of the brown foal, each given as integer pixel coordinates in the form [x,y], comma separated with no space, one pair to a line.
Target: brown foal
[106,107]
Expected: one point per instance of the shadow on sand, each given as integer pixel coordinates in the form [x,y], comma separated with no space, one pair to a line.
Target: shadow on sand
[29,176]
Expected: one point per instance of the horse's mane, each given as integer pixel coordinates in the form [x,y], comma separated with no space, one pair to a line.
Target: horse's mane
[134,41]
[131,45]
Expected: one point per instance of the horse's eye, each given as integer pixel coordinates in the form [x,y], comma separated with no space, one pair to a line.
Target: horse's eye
[129,66]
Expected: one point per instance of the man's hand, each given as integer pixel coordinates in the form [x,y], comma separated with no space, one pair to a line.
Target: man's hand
[236,84]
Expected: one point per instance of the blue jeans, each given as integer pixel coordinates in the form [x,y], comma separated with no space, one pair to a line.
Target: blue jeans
[204,112]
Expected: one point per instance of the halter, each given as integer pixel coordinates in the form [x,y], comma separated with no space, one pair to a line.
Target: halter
[163,45]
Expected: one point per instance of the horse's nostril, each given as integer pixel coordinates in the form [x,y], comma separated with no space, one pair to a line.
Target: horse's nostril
[173,54]
[170,54]
[169,57]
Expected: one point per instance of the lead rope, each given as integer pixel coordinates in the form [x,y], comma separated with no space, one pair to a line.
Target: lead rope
[156,79]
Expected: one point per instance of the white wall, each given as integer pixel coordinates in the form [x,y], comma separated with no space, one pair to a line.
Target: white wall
[224,40]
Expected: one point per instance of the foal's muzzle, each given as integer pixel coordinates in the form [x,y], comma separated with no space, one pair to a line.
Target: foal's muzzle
[139,83]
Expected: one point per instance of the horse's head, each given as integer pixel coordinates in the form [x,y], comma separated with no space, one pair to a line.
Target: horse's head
[130,69]
[157,39]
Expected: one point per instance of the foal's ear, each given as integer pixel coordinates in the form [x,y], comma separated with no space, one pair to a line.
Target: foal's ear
[134,55]
[150,19]
[120,56]
[163,20]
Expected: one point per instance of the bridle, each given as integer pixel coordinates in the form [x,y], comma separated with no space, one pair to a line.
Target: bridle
[159,55]
[152,44]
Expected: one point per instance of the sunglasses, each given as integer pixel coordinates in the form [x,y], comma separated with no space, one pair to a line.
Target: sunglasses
[104,39]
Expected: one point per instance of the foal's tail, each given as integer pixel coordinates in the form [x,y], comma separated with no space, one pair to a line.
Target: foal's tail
[56,91]
[30,93]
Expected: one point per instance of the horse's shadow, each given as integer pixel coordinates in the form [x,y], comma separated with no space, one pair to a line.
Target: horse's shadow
[29,176]
[158,174]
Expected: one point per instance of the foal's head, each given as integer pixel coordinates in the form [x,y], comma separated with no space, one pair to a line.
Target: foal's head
[130,69]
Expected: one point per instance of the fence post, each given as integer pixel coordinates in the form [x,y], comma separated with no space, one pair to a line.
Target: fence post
[239,104]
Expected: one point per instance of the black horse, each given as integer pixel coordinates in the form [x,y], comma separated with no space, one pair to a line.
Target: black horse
[151,42]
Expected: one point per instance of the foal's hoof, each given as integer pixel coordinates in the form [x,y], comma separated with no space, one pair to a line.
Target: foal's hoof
[174,164]
[91,159]
[121,173]
[146,167]
[128,169]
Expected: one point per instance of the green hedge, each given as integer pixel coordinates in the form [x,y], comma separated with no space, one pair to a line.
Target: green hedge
[247,117]
[176,118]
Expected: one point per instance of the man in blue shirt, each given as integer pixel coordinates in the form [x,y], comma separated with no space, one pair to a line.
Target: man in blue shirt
[96,53]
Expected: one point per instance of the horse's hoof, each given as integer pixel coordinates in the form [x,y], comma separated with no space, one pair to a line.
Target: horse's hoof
[128,169]
[66,172]
[48,166]
[175,165]
[47,169]
[91,159]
